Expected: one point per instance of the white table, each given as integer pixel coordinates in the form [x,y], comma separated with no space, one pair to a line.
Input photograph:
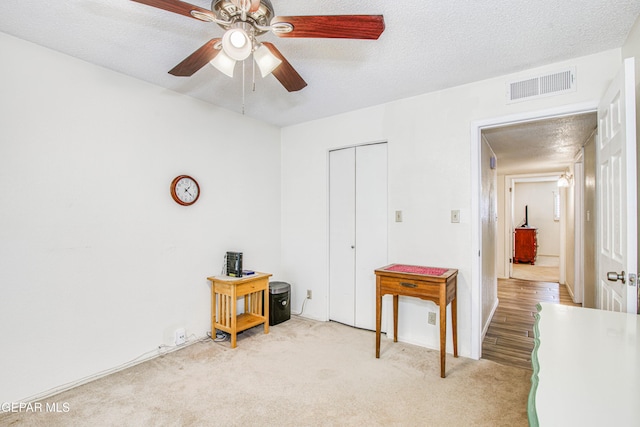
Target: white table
[586,368]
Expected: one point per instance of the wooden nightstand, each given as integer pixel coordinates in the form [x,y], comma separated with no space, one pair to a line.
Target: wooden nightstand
[225,290]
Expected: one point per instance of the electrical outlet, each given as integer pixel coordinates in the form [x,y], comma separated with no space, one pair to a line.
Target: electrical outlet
[181,336]
[432,318]
[308,293]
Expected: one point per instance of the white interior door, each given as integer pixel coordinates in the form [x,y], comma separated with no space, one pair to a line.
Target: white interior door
[371,229]
[617,204]
[357,231]
[342,196]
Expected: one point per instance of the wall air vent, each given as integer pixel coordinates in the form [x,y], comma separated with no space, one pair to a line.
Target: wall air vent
[541,86]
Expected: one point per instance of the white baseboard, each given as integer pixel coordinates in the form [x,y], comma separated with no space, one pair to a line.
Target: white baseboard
[485,327]
[161,350]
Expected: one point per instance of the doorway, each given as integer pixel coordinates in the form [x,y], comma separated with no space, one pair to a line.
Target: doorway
[534,223]
[527,156]
[615,188]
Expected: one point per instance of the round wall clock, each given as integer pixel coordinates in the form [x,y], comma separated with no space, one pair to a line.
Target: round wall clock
[185,190]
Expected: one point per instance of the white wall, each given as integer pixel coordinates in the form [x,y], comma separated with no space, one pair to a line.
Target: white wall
[631,48]
[98,265]
[429,142]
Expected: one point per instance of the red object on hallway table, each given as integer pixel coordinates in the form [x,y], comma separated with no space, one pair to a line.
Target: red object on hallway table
[416,269]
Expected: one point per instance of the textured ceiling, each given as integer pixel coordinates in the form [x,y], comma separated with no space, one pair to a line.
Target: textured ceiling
[540,146]
[427,45]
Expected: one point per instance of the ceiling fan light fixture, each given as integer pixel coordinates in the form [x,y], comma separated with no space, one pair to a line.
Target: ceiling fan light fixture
[224,63]
[266,60]
[236,43]
[244,20]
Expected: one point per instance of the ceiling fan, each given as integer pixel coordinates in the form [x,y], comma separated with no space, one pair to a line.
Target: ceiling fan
[245,20]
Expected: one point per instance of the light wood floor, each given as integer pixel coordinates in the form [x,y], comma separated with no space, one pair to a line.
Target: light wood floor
[509,339]
[546,269]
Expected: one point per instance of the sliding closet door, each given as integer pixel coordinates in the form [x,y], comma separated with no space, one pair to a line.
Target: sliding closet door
[342,222]
[358,231]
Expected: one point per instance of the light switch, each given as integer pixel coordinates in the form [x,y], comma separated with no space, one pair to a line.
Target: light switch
[398,216]
[455,216]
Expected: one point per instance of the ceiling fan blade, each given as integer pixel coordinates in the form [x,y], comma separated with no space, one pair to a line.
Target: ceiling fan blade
[196,60]
[177,6]
[285,73]
[333,26]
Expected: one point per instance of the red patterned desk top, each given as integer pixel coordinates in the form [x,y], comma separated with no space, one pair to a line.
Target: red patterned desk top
[416,269]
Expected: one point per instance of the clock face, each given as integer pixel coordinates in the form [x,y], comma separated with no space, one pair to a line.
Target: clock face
[185,190]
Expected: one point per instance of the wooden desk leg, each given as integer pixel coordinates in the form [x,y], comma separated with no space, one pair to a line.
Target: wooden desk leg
[378,317]
[443,335]
[454,325]
[395,318]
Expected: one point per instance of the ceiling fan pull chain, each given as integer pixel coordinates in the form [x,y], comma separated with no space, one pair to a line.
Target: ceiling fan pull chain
[253,74]
[243,73]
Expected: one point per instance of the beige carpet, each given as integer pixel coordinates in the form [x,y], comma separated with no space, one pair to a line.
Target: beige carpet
[303,373]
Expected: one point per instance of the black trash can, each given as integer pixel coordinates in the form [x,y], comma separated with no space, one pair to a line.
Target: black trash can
[279,302]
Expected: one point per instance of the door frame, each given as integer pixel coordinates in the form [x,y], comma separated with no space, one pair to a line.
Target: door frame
[476,227]
[510,181]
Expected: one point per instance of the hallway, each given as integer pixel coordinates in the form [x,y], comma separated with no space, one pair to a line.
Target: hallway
[509,339]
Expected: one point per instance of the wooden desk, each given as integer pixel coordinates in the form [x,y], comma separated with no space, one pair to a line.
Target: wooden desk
[226,290]
[433,284]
